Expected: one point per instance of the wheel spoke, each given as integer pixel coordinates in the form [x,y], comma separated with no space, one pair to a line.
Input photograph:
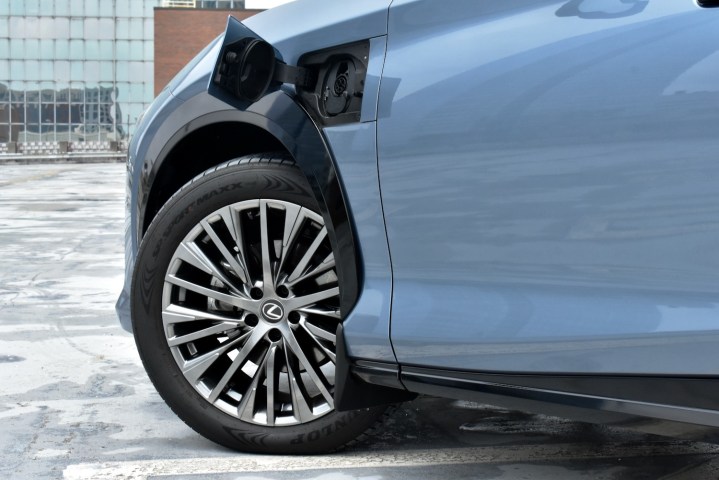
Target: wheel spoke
[302,265]
[327,264]
[195,368]
[234,226]
[267,277]
[294,218]
[318,332]
[239,360]
[246,408]
[204,333]
[239,269]
[328,353]
[191,253]
[320,311]
[307,300]
[271,384]
[291,341]
[177,314]
[300,408]
[240,302]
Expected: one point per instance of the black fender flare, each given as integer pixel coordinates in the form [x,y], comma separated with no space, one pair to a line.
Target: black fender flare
[282,117]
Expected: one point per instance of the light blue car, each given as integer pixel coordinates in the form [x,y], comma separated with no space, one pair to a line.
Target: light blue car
[339,205]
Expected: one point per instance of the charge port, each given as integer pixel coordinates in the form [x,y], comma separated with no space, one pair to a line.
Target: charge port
[337,96]
[339,88]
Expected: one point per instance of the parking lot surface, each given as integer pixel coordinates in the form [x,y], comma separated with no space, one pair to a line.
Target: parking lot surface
[75,402]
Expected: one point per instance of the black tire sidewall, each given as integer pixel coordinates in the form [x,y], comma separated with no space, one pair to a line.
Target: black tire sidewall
[225,185]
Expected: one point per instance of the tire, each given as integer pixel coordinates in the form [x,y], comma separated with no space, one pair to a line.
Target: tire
[241,352]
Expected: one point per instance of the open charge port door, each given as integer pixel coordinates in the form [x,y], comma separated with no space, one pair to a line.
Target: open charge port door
[329,82]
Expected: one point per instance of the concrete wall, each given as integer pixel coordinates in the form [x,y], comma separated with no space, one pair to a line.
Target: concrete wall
[180,33]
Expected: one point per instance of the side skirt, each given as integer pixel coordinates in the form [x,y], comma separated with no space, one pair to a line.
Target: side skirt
[683,407]
[681,418]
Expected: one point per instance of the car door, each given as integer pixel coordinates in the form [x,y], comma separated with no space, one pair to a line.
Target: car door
[550,184]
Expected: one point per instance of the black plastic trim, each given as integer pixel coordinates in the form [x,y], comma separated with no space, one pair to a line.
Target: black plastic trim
[708,3]
[690,392]
[378,373]
[512,391]
[686,407]
[365,384]
[282,117]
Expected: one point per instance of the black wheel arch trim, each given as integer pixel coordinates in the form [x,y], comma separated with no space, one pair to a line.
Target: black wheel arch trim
[282,117]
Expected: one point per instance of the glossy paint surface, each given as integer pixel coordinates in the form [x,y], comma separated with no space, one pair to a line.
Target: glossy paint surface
[549,176]
[300,27]
[367,327]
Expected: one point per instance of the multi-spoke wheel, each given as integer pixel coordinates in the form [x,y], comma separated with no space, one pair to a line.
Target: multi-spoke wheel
[235,308]
[250,307]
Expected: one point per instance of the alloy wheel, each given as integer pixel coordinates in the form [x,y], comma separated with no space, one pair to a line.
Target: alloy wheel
[250,308]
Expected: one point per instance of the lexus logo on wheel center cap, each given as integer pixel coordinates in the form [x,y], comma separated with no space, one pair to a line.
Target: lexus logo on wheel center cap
[272,311]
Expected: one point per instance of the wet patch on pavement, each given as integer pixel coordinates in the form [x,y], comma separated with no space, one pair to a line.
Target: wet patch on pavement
[10,359]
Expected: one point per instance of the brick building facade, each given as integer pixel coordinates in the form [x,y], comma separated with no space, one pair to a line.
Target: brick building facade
[180,33]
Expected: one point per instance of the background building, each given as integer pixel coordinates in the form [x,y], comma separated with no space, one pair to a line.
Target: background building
[76,74]
[174,47]
[73,73]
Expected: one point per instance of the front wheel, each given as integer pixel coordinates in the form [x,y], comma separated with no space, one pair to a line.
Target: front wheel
[235,305]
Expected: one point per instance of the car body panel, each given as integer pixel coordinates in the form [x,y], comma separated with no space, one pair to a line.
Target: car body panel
[377,52]
[323,24]
[366,329]
[549,186]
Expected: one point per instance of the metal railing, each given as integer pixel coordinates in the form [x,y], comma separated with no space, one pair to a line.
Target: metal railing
[209,4]
[30,151]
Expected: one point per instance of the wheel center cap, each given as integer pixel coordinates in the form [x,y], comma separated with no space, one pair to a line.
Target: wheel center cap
[272,311]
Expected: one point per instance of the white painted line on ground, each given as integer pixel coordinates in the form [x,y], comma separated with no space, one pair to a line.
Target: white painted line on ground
[241,463]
